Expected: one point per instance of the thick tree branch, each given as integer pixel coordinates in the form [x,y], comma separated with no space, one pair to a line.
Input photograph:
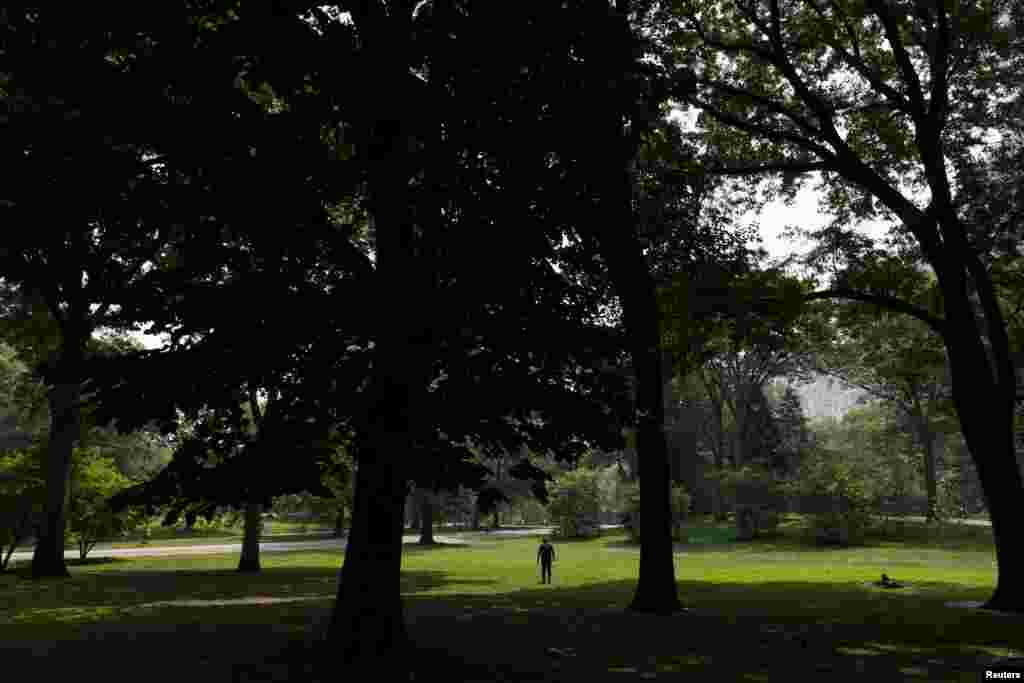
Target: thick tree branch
[817,105]
[777,135]
[890,303]
[768,104]
[892,34]
[780,167]
[856,62]
[994,317]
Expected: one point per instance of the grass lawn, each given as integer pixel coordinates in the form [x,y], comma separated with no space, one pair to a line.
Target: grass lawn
[768,610]
[276,530]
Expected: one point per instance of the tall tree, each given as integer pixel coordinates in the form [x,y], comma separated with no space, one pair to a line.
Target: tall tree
[792,423]
[82,90]
[921,79]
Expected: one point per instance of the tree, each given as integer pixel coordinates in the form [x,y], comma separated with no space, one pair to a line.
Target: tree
[899,360]
[94,480]
[920,79]
[81,91]
[575,502]
[793,430]
[21,499]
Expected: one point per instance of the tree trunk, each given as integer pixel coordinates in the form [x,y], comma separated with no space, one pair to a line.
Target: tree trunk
[367,627]
[987,427]
[250,559]
[475,522]
[1001,484]
[339,521]
[48,556]
[717,491]
[496,522]
[426,518]
[931,488]
[616,233]
[415,510]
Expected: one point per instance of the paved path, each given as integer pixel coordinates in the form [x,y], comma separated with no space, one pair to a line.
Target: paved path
[466,538]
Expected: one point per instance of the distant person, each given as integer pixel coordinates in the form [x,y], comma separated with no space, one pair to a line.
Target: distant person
[545,555]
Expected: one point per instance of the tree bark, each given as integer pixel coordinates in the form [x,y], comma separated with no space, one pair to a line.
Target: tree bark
[987,427]
[475,522]
[250,559]
[65,424]
[339,521]
[616,234]
[415,510]
[426,518]
[927,439]
[367,627]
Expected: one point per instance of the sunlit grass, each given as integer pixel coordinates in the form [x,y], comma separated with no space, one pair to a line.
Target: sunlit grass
[788,607]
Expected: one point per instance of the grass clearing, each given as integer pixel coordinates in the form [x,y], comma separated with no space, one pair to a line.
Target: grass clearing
[771,609]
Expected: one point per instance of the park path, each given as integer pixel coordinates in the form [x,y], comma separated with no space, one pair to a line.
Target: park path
[328,544]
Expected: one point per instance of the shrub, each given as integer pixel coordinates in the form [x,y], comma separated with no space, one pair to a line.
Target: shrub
[94,479]
[575,502]
[751,485]
[679,500]
[837,495]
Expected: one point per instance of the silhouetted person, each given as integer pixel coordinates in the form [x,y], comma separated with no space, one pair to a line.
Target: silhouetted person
[545,555]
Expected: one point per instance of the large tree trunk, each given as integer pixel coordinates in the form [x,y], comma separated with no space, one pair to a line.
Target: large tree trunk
[426,518]
[616,233]
[367,627]
[987,427]
[250,559]
[65,415]
[475,522]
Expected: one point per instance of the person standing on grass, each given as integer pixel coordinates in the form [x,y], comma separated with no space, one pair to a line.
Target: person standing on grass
[545,556]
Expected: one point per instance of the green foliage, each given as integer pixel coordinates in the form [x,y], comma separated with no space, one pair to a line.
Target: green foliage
[793,430]
[838,494]
[750,484]
[951,503]
[21,498]
[94,480]
[679,500]
[575,501]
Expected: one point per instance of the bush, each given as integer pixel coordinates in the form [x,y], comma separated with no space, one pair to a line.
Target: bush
[575,502]
[94,479]
[837,496]
[679,500]
[751,485]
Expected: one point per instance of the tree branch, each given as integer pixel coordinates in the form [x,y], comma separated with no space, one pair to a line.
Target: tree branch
[887,302]
[782,167]
[757,129]
[817,105]
[892,34]
[768,104]
[856,62]
[939,58]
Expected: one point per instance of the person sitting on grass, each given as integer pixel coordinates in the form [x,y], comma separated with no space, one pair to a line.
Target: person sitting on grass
[545,556]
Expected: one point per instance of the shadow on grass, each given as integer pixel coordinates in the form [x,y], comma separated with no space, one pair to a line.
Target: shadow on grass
[412,548]
[31,602]
[784,630]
